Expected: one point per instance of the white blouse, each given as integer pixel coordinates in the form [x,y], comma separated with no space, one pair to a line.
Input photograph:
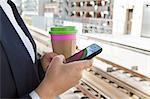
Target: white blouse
[8,11]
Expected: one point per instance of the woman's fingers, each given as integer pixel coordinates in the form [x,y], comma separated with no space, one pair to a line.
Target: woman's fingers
[59,59]
[84,64]
[52,54]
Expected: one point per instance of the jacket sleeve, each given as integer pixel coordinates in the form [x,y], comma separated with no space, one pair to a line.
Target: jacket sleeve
[6,81]
[40,69]
[27,96]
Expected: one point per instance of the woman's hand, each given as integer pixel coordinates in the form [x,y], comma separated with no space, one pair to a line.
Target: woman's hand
[61,77]
[46,59]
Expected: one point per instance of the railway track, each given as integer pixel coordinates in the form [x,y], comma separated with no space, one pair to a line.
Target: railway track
[99,84]
[112,81]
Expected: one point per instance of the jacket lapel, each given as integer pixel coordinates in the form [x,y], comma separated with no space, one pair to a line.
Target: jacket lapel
[23,27]
[21,23]
[23,69]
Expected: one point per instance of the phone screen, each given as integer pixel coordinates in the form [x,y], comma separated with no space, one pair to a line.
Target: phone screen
[87,53]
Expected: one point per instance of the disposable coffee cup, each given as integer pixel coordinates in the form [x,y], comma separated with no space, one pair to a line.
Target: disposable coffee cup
[63,40]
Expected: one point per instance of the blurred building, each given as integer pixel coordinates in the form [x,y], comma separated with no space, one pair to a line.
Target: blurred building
[34,11]
[34,7]
[18,5]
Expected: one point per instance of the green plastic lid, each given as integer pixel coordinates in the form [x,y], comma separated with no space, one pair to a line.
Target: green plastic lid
[63,30]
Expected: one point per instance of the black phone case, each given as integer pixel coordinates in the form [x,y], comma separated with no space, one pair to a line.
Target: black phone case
[86,58]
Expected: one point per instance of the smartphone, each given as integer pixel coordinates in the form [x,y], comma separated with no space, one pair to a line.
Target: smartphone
[87,53]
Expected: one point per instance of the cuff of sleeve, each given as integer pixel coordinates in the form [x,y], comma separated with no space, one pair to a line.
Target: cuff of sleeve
[34,95]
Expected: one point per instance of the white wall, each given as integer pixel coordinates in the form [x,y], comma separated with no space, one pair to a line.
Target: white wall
[137,18]
[119,16]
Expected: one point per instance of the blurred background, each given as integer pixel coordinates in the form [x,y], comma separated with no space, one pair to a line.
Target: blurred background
[121,27]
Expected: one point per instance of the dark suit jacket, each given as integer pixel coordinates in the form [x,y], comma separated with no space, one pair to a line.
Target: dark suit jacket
[18,74]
